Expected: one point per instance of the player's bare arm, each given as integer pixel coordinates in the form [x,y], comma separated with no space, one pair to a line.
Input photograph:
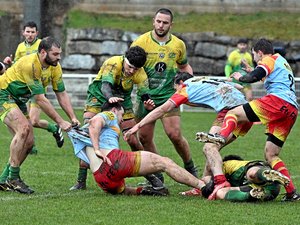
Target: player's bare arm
[186,68]
[47,107]
[95,126]
[151,117]
[65,103]
[246,66]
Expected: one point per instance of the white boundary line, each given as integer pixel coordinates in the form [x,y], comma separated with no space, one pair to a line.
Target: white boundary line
[24,197]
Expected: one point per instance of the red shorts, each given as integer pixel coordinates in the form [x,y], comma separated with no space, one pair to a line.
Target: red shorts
[241,129]
[124,164]
[277,114]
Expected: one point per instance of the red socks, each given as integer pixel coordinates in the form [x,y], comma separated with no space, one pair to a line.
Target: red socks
[219,179]
[229,124]
[280,167]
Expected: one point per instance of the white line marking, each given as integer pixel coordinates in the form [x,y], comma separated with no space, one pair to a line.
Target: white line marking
[24,197]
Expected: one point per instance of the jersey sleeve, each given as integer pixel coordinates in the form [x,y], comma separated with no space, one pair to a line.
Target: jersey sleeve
[36,87]
[230,62]
[268,64]
[108,71]
[180,97]
[108,117]
[141,80]
[182,60]
[18,53]
[33,83]
[57,81]
[227,69]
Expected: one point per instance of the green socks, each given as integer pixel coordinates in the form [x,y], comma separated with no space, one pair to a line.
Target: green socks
[14,172]
[5,173]
[51,127]
[260,175]
[237,196]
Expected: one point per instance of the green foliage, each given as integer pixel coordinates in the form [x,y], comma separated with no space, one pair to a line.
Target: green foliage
[78,19]
[53,171]
[273,25]
[2,13]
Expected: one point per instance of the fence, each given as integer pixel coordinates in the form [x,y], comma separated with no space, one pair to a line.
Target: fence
[77,85]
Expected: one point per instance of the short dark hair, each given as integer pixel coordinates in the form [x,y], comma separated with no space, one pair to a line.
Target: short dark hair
[263,45]
[165,11]
[232,157]
[243,40]
[47,44]
[136,56]
[108,106]
[30,24]
[182,76]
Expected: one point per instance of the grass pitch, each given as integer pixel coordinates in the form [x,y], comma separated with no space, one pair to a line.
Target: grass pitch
[252,25]
[53,171]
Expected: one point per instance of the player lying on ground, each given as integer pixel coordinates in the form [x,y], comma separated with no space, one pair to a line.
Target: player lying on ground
[110,165]
[250,181]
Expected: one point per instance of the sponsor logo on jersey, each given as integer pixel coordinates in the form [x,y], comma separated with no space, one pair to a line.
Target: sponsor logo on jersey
[160,67]
[172,55]
[161,55]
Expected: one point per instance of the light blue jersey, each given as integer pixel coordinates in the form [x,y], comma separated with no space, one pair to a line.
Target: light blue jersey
[108,139]
[203,92]
[280,79]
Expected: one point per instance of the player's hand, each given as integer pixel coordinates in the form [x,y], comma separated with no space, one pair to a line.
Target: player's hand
[103,157]
[238,86]
[8,60]
[75,122]
[65,125]
[246,66]
[115,99]
[236,75]
[130,132]
[149,104]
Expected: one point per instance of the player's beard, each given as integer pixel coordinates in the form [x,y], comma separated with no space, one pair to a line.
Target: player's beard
[243,50]
[50,62]
[161,34]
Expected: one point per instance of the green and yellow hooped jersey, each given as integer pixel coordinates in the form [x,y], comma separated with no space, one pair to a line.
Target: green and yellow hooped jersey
[27,78]
[162,63]
[26,49]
